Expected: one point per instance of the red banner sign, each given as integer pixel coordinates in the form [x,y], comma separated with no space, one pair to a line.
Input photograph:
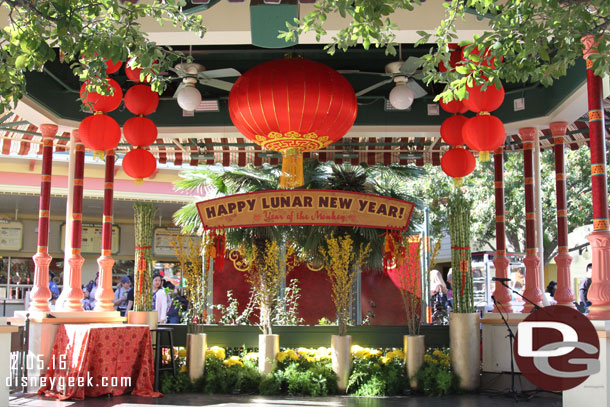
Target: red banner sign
[305,207]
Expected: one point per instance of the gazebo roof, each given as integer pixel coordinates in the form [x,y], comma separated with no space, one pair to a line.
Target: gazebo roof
[380,134]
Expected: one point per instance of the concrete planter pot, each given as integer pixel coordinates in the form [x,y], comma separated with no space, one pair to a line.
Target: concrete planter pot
[196,345]
[414,356]
[465,340]
[341,359]
[149,318]
[268,348]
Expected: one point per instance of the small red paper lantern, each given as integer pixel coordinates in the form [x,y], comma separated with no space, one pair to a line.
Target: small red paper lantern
[134,73]
[484,101]
[451,130]
[101,103]
[455,106]
[140,131]
[455,56]
[99,133]
[484,133]
[112,67]
[458,163]
[141,100]
[139,164]
[483,61]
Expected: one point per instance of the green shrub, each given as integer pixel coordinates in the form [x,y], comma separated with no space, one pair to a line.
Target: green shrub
[238,378]
[168,384]
[373,375]
[436,377]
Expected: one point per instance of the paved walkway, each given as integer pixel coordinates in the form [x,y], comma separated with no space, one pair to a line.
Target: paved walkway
[196,399]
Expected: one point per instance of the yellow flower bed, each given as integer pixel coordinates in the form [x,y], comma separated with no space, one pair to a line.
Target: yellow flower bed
[217,352]
[232,361]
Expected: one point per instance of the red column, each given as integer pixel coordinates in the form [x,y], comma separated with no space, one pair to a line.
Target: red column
[501,293]
[74,291]
[104,293]
[533,291]
[563,294]
[599,291]
[40,295]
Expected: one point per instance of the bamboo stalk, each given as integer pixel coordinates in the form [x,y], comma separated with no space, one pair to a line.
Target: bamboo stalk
[144,214]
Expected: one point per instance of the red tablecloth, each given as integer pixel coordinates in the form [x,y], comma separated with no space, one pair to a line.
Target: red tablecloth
[97,359]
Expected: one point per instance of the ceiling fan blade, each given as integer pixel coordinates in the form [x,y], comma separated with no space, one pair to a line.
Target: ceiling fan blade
[180,87]
[220,73]
[356,71]
[418,91]
[180,73]
[215,83]
[419,75]
[373,87]
[410,65]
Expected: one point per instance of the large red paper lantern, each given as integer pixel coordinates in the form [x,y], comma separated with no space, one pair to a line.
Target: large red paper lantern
[99,133]
[101,103]
[484,133]
[141,100]
[458,163]
[140,131]
[112,67]
[292,106]
[455,106]
[139,164]
[484,101]
[451,130]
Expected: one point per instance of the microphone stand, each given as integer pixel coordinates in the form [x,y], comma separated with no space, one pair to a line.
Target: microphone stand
[536,306]
[511,392]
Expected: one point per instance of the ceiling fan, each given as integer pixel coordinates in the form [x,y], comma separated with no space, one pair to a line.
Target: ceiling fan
[403,73]
[187,94]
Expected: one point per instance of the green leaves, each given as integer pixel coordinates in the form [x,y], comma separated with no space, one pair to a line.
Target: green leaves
[86,34]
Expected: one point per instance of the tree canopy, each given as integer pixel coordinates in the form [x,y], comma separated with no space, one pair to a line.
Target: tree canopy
[84,34]
[533,40]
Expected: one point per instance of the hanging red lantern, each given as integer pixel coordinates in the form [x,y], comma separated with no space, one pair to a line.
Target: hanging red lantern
[101,103]
[455,106]
[139,164]
[112,67]
[458,163]
[292,106]
[482,58]
[99,133]
[451,130]
[455,56]
[484,133]
[140,131]
[134,73]
[141,100]
[484,101]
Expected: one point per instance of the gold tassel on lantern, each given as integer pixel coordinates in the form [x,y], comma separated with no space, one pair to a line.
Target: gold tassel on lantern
[292,168]
[484,156]
[458,182]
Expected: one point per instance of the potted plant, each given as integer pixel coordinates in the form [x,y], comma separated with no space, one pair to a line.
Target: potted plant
[342,265]
[464,322]
[402,264]
[189,253]
[144,214]
[265,274]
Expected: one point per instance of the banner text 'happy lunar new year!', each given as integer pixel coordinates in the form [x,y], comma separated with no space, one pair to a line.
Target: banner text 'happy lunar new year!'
[305,207]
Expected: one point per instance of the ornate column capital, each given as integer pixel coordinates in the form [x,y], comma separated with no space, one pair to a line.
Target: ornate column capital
[528,134]
[48,131]
[558,129]
[75,137]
